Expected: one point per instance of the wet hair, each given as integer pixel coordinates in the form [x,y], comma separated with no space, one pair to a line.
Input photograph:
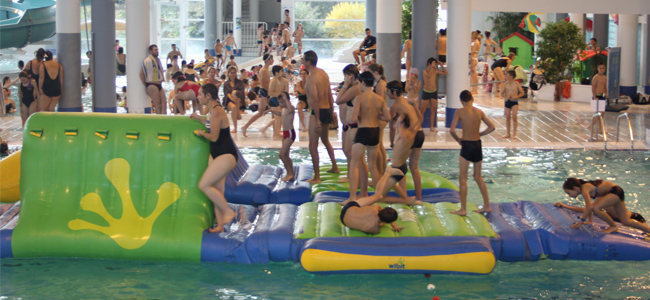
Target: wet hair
[286,10]
[260,26]
[276,69]
[431,60]
[351,70]
[266,57]
[184,63]
[218,41]
[601,64]
[245,81]
[487,34]
[367,29]
[5,79]
[120,50]
[443,32]
[210,89]
[595,40]
[206,50]
[173,45]
[367,78]
[466,96]
[23,74]
[394,86]
[89,53]
[512,55]
[255,78]
[572,182]
[223,76]
[306,71]
[179,76]
[512,73]
[169,66]
[387,215]
[242,71]
[230,31]
[251,95]
[286,95]
[154,45]
[190,66]
[21,64]
[232,57]
[311,57]
[377,68]
[410,34]
[40,53]
[48,55]
[124,88]
[293,61]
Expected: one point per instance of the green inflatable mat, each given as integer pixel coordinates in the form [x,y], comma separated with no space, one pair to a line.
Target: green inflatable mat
[429,219]
[329,181]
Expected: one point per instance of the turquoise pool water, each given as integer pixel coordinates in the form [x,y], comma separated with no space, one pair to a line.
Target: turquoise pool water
[508,180]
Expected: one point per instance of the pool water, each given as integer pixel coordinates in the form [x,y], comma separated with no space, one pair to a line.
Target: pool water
[511,175]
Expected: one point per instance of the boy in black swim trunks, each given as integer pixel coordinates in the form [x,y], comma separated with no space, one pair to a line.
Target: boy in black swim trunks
[511,93]
[470,119]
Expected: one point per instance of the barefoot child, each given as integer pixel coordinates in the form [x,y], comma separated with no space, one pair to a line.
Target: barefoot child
[288,134]
[599,91]
[605,194]
[511,93]
[471,150]
[430,90]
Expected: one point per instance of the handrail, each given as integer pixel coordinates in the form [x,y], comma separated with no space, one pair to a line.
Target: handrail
[602,124]
[629,126]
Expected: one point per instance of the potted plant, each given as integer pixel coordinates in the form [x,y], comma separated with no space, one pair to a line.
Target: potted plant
[559,45]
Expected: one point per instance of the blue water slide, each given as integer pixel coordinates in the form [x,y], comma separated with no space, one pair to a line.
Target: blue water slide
[24,22]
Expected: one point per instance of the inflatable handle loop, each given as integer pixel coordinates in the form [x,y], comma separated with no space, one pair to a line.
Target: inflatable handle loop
[163,135]
[101,133]
[71,131]
[134,135]
[37,133]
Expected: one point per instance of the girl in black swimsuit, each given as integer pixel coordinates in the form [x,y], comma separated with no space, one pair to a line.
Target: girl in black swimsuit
[50,87]
[605,194]
[223,155]
[27,93]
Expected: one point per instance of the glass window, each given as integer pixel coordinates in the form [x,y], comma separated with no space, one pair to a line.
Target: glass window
[195,49]
[170,12]
[194,29]
[170,29]
[195,9]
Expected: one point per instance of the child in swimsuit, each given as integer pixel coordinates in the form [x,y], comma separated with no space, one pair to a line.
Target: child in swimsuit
[288,134]
[470,119]
[27,94]
[605,194]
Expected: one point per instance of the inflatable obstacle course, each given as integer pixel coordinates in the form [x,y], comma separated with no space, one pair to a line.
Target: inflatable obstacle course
[329,181]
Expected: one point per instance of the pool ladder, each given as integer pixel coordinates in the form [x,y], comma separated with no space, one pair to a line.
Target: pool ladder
[600,119]
[629,126]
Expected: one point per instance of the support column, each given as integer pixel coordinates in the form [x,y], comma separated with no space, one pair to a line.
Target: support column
[389,37]
[543,18]
[424,39]
[371,15]
[210,24]
[236,19]
[137,37]
[560,16]
[219,8]
[254,10]
[629,43]
[103,16]
[579,20]
[601,30]
[68,53]
[646,77]
[458,47]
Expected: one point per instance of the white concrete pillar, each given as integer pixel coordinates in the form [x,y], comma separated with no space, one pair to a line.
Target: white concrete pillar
[137,37]
[646,62]
[629,43]
[236,19]
[389,37]
[105,70]
[220,33]
[210,20]
[458,47]
[371,15]
[254,10]
[579,20]
[68,53]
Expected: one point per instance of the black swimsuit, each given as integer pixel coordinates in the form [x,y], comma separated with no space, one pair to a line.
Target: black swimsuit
[28,94]
[51,87]
[223,145]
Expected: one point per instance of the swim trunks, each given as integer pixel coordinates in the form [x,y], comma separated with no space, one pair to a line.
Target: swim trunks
[367,136]
[158,85]
[511,103]
[219,55]
[471,150]
[289,134]
[259,42]
[345,208]
[273,102]
[263,93]
[429,95]
[419,140]
[354,125]
[402,168]
[228,48]
[370,51]
[325,116]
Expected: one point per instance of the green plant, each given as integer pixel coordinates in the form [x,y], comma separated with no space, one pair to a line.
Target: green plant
[559,45]
[346,11]
[505,24]
[407,13]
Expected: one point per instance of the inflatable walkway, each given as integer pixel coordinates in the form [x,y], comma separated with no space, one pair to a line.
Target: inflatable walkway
[125,187]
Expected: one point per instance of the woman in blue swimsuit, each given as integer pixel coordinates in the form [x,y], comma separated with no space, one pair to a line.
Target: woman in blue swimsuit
[223,155]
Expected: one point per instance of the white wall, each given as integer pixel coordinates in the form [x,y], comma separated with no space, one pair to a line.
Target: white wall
[270,12]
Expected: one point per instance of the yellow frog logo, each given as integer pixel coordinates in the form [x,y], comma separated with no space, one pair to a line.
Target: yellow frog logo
[131,231]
